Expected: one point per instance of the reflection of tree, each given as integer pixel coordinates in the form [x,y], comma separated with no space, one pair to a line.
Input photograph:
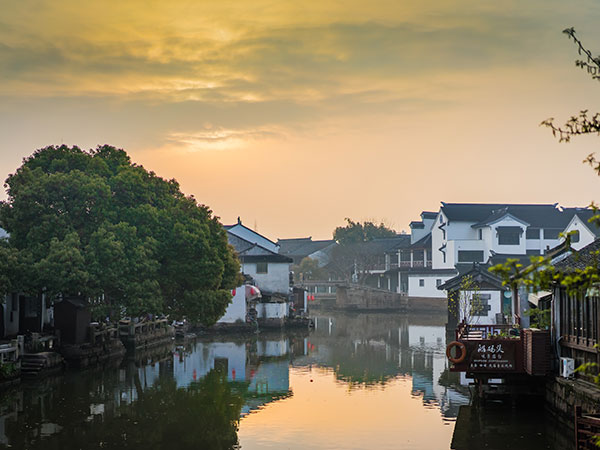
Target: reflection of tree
[203,415]
[366,364]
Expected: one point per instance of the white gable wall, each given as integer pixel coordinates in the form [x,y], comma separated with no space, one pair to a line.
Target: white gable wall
[437,241]
[236,311]
[508,221]
[277,278]
[586,237]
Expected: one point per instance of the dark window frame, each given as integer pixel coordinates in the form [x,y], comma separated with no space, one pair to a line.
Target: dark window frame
[260,264]
[476,256]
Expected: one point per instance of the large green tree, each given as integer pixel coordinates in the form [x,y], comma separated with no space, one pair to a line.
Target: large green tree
[95,225]
[356,232]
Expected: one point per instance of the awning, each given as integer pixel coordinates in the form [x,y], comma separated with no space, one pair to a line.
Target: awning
[535,297]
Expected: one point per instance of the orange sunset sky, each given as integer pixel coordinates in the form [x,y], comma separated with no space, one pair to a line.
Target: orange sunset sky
[294,115]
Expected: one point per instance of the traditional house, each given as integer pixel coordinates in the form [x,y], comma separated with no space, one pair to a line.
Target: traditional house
[576,317]
[268,270]
[487,303]
[466,233]
[414,273]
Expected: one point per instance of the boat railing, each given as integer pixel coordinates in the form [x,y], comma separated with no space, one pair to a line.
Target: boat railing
[9,352]
[480,332]
[100,333]
[127,328]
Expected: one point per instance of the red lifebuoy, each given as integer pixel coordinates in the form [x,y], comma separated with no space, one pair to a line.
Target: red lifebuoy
[459,357]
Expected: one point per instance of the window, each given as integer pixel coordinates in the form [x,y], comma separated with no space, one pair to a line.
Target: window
[551,233]
[481,305]
[262,267]
[467,256]
[421,282]
[418,255]
[575,236]
[480,234]
[509,235]
[438,282]
[532,233]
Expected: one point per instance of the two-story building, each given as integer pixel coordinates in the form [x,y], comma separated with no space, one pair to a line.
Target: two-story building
[269,271]
[466,233]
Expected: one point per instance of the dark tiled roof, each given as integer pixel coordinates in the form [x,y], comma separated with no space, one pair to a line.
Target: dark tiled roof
[538,216]
[428,215]
[273,257]
[289,246]
[424,242]
[480,275]
[585,257]
[302,247]
[495,216]
[415,224]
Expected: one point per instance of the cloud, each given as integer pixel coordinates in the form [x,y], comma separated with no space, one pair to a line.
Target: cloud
[303,59]
[220,138]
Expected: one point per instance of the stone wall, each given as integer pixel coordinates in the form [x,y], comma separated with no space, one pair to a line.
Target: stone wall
[427,304]
[369,299]
[562,395]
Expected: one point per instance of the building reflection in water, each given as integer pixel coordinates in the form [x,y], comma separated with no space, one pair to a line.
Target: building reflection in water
[370,349]
[208,385]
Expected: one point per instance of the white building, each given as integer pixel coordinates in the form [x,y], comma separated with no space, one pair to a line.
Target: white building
[269,271]
[467,233]
[582,231]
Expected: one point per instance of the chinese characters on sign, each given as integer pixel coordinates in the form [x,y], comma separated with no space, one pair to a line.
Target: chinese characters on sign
[490,356]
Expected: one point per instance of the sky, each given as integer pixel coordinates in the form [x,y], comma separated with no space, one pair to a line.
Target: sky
[295,115]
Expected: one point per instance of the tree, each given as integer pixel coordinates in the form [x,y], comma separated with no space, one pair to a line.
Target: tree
[356,255]
[541,274]
[582,123]
[355,232]
[466,304]
[95,225]
[309,269]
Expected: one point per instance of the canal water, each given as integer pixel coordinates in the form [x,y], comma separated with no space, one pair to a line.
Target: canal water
[357,381]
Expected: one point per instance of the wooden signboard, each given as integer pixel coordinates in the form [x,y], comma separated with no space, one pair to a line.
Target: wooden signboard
[494,355]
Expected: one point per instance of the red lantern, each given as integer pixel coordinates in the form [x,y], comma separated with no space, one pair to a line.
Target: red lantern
[233,292]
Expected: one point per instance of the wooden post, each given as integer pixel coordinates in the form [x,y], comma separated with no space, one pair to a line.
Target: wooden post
[577,416]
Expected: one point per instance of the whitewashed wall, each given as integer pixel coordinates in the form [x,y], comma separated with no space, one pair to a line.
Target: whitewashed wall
[11,327]
[277,278]
[236,310]
[508,249]
[586,237]
[430,289]
[272,310]
[495,303]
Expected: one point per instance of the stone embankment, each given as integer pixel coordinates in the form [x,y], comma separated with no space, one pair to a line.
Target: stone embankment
[362,298]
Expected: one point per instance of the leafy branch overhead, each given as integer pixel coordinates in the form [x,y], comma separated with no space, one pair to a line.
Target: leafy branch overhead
[581,123]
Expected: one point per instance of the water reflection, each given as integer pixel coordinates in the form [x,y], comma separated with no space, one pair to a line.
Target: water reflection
[355,381]
[367,350]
